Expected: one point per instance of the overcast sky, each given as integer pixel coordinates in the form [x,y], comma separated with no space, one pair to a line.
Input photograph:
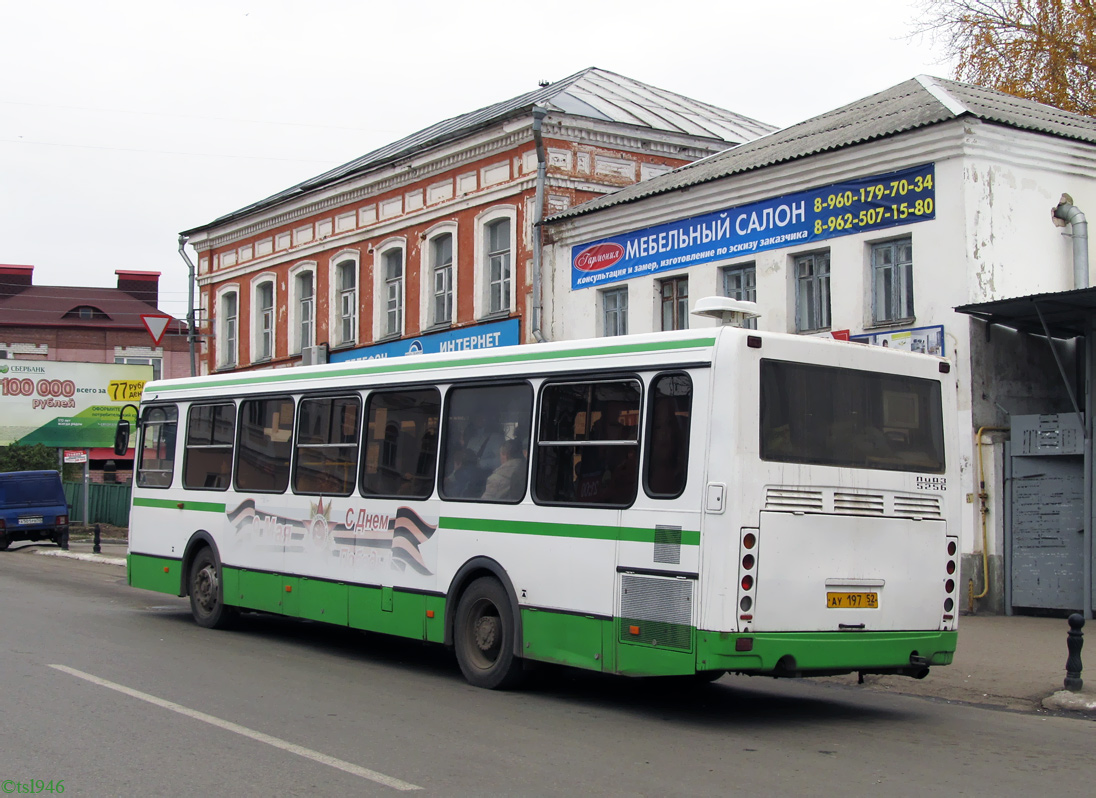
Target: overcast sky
[124,122]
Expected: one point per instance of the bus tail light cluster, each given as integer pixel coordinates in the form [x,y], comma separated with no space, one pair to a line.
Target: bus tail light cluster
[747,572]
[951,582]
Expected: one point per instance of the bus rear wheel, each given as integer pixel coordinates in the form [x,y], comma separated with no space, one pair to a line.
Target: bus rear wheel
[206,591]
[484,636]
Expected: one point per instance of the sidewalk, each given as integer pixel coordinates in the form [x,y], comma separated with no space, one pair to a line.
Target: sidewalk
[1013,662]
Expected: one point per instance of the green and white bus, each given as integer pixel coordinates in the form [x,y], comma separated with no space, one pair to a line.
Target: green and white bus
[693,502]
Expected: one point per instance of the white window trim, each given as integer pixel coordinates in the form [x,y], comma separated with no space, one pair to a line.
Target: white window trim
[256,316]
[482,284]
[380,309]
[224,357]
[334,307]
[293,315]
[426,272]
[601,294]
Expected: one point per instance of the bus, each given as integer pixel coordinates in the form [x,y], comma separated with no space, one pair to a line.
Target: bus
[667,504]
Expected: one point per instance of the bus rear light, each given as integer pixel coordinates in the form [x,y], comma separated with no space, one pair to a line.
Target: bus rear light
[748,562]
[949,586]
[747,582]
[743,644]
[745,604]
[952,548]
[753,341]
[745,617]
[951,567]
[749,540]
[948,616]
[949,605]
[633,630]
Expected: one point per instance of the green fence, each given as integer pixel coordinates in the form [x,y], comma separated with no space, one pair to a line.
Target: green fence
[107,503]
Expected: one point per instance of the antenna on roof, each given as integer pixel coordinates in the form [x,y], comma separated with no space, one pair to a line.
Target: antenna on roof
[544,83]
[731,312]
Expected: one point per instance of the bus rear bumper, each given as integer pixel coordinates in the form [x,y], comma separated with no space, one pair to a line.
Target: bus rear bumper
[825,653]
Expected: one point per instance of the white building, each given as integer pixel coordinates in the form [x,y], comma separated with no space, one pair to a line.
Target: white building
[873,221]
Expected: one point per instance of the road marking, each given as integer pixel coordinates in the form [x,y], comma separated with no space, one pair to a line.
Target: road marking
[243,731]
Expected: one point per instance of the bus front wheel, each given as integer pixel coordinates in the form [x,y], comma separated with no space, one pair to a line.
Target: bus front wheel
[484,636]
[206,590]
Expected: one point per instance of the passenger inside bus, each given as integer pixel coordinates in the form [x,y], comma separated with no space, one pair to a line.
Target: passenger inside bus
[507,481]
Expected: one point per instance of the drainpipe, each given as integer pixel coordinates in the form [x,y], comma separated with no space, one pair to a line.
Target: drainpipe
[1068,213]
[538,212]
[190,336]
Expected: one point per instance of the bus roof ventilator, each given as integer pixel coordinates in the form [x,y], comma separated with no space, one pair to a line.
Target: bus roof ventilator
[727,311]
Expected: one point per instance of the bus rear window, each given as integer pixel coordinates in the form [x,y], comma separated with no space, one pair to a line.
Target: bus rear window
[822,415]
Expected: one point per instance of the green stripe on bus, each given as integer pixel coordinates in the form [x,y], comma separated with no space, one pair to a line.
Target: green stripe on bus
[414,364]
[176,504]
[689,537]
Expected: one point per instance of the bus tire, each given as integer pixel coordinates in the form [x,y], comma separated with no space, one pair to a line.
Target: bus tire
[483,636]
[206,590]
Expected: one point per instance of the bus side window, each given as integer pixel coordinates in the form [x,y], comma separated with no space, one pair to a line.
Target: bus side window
[588,443]
[399,458]
[486,446]
[265,445]
[157,459]
[668,421]
[327,446]
[210,432]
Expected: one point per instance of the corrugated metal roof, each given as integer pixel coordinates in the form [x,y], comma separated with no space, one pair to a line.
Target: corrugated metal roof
[912,104]
[1067,313]
[592,93]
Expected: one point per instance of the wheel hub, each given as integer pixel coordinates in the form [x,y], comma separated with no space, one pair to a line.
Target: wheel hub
[205,587]
[486,633]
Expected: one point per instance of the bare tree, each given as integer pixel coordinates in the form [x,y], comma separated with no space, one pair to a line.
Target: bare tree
[1044,50]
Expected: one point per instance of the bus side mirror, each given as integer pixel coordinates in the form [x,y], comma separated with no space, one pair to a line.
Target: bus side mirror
[121,437]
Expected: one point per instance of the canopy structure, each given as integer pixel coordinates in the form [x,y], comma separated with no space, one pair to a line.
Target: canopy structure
[1060,315]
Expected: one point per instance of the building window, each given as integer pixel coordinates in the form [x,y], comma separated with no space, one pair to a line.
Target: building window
[157,363]
[441,265]
[346,281]
[614,312]
[498,265]
[264,321]
[303,310]
[812,298]
[740,282]
[393,292]
[675,303]
[229,317]
[892,281]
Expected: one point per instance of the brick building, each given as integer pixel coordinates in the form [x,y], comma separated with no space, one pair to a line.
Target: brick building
[427,244]
[83,324]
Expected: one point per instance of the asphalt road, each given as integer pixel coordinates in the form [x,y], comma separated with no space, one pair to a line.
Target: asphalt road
[116,692]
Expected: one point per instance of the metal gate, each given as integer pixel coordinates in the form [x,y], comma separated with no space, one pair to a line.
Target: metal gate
[1045,532]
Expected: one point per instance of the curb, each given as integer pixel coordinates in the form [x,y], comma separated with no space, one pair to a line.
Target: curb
[77,555]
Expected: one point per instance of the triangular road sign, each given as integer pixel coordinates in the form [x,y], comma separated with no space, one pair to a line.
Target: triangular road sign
[156,326]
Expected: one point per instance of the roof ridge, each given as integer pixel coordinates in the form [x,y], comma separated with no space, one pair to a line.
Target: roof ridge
[933,87]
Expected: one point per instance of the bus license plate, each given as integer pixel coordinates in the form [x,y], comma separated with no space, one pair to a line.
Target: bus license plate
[30,519]
[843,601]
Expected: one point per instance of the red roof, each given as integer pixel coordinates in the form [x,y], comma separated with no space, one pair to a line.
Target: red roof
[58,306]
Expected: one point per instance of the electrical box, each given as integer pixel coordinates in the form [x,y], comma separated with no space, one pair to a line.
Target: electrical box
[1046,435]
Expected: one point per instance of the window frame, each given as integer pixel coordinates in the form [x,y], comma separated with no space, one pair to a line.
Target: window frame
[618,314]
[483,282]
[365,452]
[598,447]
[819,294]
[263,323]
[678,302]
[381,329]
[353,446]
[285,456]
[189,447]
[434,270]
[343,321]
[746,291]
[228,327]
[168,453]
[298,341]
[901,296]
[652,435]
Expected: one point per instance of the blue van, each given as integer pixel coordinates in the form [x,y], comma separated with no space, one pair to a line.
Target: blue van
[32,507]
